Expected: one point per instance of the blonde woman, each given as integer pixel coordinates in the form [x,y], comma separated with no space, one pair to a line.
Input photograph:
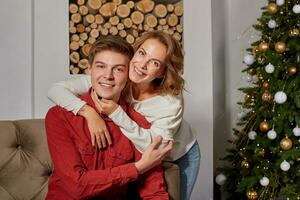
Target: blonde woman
[155,91]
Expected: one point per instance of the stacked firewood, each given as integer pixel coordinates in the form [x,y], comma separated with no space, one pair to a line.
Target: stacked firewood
[129,19]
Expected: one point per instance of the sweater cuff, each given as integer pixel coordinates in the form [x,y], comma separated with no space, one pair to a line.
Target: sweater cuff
[78,106]
[116,114]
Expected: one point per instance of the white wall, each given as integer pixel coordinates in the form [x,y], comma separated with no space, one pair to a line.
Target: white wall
[16,59]
[51,54]
[198,74]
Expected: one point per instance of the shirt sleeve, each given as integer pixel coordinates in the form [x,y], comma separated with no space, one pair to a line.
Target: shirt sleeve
[65,93]
[166,123]
[151,185]
[79,182]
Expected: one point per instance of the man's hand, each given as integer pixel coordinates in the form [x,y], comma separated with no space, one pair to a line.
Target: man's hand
[153,155]
[97,127]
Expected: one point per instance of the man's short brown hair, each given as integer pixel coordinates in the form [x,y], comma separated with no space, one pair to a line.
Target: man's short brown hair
[111,43]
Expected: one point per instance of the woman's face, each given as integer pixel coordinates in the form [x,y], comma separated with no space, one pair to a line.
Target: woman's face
[147,63]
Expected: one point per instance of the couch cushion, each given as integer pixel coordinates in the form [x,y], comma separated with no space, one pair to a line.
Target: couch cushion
[25,164]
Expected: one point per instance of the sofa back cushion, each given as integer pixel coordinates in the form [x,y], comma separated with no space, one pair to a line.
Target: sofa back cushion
[25,164]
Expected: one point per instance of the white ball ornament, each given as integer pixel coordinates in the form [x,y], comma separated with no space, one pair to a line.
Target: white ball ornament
[252,135]
[264,181]
[296,131]
[272,134]
[280,97]
[241,115]
[220,179]
[285,166]
[279,2]
[269,68]
[272,23]
[296,9]
[249,59]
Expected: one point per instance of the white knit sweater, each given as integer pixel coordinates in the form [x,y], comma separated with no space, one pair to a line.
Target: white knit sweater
[163,112]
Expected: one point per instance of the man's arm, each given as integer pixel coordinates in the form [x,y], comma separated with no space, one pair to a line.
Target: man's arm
[78,181]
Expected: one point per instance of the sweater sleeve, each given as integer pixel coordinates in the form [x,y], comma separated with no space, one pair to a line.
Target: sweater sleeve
[65,93]
[165,118]
[77,180]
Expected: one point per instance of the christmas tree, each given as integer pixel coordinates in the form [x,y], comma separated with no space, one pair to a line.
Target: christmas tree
[263,161]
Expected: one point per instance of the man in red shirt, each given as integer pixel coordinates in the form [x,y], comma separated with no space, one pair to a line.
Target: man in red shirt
[84,172]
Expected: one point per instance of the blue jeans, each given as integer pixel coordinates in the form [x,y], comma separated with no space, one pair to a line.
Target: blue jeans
[189,165]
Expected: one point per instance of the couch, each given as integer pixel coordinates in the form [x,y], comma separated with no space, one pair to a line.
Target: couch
[25,164]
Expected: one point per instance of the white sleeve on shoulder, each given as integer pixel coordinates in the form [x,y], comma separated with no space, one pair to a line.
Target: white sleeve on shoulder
[65,93]
[166,123]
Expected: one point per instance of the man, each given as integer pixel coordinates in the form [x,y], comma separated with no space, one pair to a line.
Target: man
[84,172]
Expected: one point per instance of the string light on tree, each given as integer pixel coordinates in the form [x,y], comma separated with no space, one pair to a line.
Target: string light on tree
[248,78]
[296,9]
[285,166]
[296,131]
[280,97]
[269,68]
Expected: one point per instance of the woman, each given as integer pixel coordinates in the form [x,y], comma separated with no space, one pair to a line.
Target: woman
[155,91]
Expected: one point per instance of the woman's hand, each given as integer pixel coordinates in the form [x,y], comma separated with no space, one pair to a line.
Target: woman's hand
[97,127]
[104,106]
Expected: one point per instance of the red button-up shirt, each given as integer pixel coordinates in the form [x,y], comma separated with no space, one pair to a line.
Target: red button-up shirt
[84,172]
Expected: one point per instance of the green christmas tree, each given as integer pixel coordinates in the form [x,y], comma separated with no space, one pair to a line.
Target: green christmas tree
[263,161]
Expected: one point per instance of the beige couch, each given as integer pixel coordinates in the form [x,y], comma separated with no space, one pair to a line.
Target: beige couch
[25,164]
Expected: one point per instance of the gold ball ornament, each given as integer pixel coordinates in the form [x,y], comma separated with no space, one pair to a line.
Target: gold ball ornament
[272,8]
[286,144]
[263,46]
[260,152]
[264,126]
[245,164]
[267,96]
[292,70]
[265,84]
[294,32]
[280,47]
[251,194]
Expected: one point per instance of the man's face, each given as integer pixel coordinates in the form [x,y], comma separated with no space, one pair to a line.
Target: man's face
[109,74]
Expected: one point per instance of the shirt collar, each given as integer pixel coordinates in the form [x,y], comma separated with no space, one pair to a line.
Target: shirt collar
[88,99]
